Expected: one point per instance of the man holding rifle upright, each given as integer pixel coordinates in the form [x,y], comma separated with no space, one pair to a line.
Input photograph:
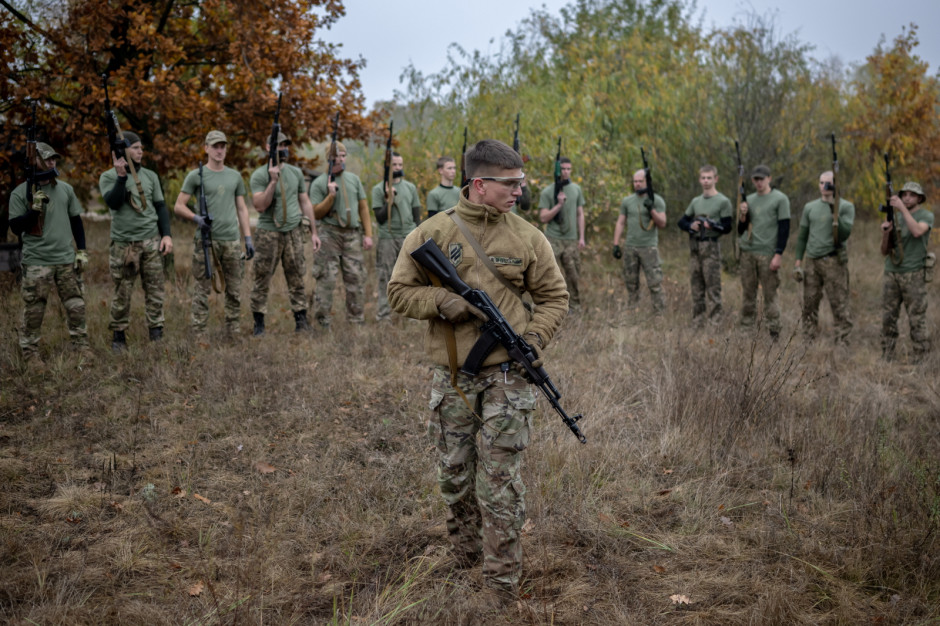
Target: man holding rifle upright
[480,423]
[225,197]
[339,202]
[140,237]
[280,235]
[561,209]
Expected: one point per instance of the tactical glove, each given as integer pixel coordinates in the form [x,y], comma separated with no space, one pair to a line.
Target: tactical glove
[249,248]
[648,203]
[203,222]
[617,252]
[81,261]
[40,200]
[455,309]
[535,341]
[798,274]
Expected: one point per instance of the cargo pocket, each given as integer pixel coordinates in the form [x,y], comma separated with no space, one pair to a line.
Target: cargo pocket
[509,427]
[435,432]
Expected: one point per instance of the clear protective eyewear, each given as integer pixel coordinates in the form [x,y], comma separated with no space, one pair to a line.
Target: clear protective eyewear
[513,182]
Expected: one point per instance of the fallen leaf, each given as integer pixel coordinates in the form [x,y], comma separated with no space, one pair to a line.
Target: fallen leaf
[680,599]
[667,471]
[117,506]
[196,589]
[727,522]
[264,468]
[179,493]
[659,569]
[528,526]
[721,507]
[665,492]
[325,576]
[202,498]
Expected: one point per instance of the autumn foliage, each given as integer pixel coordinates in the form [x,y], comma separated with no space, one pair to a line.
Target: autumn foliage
[177,70]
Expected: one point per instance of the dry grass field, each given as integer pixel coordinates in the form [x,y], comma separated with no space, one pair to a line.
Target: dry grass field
[287,479]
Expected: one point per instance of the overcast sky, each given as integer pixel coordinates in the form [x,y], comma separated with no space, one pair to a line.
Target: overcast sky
[389,35]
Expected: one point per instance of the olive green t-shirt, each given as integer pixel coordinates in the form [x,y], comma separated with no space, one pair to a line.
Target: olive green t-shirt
[400,220]
[442,198]
[764,213]
[574,198]
[632,206]
[817,219]
[126,223]
[54,246]
[915,248]
[221,189]
[714,208]
[346,203]
[293,179]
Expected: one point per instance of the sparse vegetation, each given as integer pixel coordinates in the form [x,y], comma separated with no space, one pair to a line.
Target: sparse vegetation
[726,480]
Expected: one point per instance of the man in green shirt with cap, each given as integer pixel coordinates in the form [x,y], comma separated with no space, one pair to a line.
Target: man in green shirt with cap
[396,220]
[280,197]
[339,202]
[225,199]
[140,238]
[563,216]
[907,271]
[643,217]
[763,227]
[47,228]
[826,267]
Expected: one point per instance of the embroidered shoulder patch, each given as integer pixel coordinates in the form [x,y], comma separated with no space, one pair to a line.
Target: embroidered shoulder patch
[455,252]
[505,260]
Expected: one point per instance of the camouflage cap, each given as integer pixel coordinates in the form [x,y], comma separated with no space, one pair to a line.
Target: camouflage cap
[214,137]
[282,138]
[131,138]
[46,152]
[761,171]
[914,188]
[339,148]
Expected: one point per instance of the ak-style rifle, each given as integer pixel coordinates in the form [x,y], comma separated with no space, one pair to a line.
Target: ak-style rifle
[205,231]
[31,170]
[836,200]
[895,247]
[559,184]
[387,175]
[650,201]
[463,161]
[331,163]
[496,331]
[274,157]
[117,144]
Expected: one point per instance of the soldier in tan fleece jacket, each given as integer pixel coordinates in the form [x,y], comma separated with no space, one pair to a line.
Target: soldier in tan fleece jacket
[481,434]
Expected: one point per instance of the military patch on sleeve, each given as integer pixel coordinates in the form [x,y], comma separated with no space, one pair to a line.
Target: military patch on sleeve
[505,260]
[455,252]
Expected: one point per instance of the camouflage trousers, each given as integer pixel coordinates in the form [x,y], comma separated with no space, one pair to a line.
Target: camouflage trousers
[125,261]
[568,258]
[705,278]
[38,281]
[228,255]
[826,274]
[647,258]
[340,251]
[755,270]
[910,290]
[273,247]
[480,457]
[386,253]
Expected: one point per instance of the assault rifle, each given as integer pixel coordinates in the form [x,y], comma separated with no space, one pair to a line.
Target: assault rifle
[895,248]
[205,232]
[117,143]
[650,197]
[31,170]
[496,331]
[274,156]
[834,187]
[737,209]
[702,231]
[332,160]
[463,163]
[515,136]
[522,201]
[387,176]
[559,184]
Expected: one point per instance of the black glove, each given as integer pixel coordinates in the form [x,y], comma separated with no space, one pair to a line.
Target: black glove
[249,248]
[617,252]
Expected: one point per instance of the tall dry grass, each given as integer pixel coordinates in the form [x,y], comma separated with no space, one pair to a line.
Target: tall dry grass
[287,479]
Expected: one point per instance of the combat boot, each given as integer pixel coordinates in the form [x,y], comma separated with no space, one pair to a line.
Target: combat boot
[259,323]
[300,321]
[118,342]
[156,333]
